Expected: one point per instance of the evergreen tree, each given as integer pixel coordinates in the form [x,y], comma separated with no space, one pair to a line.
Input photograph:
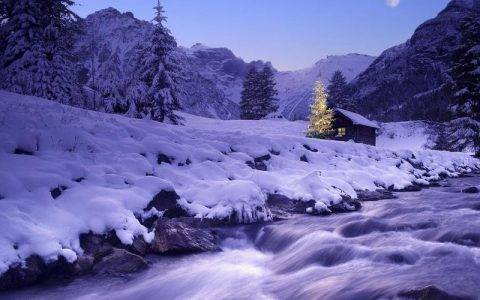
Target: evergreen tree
[249,103]
[258,94]
[36,58]
[109,82]
[158,74]
[464,130]
[267,93]
[21,51]
[321,117]
[337,92]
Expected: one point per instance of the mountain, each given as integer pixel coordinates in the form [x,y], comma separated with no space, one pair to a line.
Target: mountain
[210,80]
[408,82]
[295,87]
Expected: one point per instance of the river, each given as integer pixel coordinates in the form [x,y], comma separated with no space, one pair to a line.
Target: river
[431,237]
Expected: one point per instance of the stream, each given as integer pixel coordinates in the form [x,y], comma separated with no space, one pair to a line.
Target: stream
[431,237]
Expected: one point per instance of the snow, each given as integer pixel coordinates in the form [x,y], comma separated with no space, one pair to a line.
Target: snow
[413,135]
[357,119]
[107,166]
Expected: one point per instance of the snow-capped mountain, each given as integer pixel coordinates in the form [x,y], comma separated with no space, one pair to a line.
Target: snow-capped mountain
[407,82]
[210,79]
[295,87]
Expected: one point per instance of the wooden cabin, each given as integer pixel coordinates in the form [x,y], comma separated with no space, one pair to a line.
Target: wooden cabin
[352,126]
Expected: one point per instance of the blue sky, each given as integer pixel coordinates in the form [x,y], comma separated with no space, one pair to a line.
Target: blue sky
[292,34]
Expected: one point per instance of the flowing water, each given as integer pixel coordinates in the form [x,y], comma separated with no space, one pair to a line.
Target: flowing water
[422,238]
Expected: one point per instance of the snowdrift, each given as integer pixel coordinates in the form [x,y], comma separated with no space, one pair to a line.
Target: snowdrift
[66,171]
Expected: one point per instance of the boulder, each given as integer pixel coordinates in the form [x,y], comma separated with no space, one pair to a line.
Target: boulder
[346,205]
[410,188]
[97,246]
[431,292]
[21,276]
[375,195]
[471,190]
[119,262]
[167,201]
[174,236]
[283,207]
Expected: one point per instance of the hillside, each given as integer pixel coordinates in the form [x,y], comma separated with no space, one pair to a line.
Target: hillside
[408,82]
[67,171]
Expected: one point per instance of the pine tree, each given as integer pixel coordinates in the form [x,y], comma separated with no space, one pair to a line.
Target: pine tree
[158,73]
[36,57]
[21,51]
[258,94]
[249,104]
[267,93]
[464,130]
[321,117]
[109,82]
[337,92]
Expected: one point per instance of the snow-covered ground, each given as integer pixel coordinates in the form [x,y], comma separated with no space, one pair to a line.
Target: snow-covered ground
[107,167]
[412,135]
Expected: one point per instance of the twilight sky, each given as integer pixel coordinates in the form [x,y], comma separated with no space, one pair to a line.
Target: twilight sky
[292,34]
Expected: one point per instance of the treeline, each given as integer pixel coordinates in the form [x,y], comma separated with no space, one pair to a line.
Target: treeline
[37,58]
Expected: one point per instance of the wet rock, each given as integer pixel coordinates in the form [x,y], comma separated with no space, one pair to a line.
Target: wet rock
[167,201]
[410,188]
[375,195]
[178,237]
[346,205]
[119,262]
[283,207]
[97,245]
[431,292]
[84,264]
[139,246]
[259,162]
[471,190]
[21,276]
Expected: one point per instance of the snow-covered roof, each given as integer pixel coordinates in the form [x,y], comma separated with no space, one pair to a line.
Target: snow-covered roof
[357,119]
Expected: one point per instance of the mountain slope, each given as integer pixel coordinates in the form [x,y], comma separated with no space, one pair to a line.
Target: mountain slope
[407,82]
[210,80]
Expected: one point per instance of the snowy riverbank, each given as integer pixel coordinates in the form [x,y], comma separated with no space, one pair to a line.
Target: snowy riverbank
[66,171]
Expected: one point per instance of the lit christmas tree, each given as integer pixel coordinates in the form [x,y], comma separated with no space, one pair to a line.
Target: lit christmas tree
[321,116]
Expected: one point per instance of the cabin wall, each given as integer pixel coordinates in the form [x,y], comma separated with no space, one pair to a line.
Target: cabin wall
[365,135]
[358,133]
[341,122]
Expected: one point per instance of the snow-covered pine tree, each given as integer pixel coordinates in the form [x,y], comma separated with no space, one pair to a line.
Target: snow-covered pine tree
[109,82]
[337,91]
[158,72]
[21,51]
[464,130]
[36,57]
[249,104]
[321,117]
[268,103]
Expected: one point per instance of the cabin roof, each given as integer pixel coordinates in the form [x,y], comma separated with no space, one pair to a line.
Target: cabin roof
[356,118]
